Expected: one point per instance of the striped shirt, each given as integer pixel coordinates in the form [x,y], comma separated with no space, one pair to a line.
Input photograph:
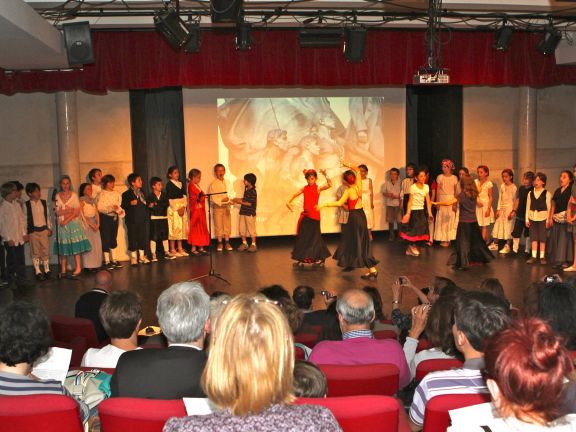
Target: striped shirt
[357,334]
[467,380]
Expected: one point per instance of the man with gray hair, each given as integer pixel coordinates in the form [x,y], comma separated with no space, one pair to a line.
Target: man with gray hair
[358,346]
[183,312]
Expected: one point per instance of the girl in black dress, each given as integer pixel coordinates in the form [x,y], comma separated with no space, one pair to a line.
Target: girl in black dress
[560,246]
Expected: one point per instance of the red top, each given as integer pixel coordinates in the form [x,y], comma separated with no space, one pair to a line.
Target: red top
[352,203]
[311,197]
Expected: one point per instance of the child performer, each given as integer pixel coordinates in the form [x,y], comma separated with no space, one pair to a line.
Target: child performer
[247,222]
[13,232]
[470,246]
[39,229]
[198,235]
[310,247]
[560,247]
[221,206]
[446,224]
[158,205]
[406,184]
[571,219]
[391,192]
[95,178]
[109,210]
[92,260]
[71,238]
[177,215]
[367,198]
[414,227]
[484,214]
[354,248]
[505,213]
[135,207]
[520,213]
[538,208]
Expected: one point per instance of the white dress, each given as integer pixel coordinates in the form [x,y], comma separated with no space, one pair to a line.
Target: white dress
[503,226]
[366,202]
[446,223]
[483,198]
[93,258]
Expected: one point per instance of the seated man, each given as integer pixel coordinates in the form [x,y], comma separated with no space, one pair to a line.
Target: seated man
[121,316]
[88,305]
[172,373]
[25,338]
[303,296]
[477,315]
[358,346]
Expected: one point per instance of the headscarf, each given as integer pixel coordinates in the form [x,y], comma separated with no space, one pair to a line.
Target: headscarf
[448,163]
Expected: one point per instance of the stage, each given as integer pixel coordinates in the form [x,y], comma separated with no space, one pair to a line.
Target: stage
[272,265]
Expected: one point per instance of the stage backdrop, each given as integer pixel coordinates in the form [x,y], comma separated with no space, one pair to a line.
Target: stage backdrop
[276,134]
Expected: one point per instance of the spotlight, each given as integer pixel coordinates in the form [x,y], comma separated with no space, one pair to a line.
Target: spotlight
[503,38]
[225,10]
[194,38]
[243,37]
[549,41]
[172,28]
[354,44]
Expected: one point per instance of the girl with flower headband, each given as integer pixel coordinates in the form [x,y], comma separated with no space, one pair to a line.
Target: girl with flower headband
[310,247]
[446,223]
[354,248]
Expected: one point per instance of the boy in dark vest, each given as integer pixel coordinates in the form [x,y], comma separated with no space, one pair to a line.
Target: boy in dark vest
[39,229]
[134,204]
[537,214]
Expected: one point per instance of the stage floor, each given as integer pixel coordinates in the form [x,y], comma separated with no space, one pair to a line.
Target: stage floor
[272,265]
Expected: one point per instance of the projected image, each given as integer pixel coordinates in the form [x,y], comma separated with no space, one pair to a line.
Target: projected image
[277,138]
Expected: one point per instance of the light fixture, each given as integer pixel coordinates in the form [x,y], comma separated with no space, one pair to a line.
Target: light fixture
[320,37]
[225,11]
[354,44]
[549,41]
[169,24]
[243,36]
[503,37]
[194,38]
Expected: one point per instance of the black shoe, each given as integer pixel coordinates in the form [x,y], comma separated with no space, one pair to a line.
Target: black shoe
[117,264]
[109,266]
[347,269]
[47,275]
[39,277]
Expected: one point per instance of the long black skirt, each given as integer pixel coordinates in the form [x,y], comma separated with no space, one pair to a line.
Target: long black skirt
[354,248]
[416,230]
[470,246]
[309,245]
[560,247]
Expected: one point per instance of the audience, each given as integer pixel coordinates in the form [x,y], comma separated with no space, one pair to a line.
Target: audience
[309,380]
[355,314]
[249,375]
[121,316]
[183,314]
[217,305]
[477,316]
[275,292]
[25,339]
[88,305]
[331,327]
[378,323]
[557,306]
[303,296]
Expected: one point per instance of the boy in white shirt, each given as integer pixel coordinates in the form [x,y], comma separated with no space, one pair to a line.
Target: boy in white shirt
[13,232]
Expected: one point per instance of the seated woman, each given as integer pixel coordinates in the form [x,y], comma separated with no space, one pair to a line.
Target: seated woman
[378,323]
[24,339]
[249,375]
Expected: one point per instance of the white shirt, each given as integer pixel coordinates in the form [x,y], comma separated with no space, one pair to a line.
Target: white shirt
[418,196]
[219,186]
[38,215]
[413,358]
[105,357]
[12,223]
[535,215]
[106,202]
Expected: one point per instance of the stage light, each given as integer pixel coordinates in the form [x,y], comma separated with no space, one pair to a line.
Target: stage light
[549,41]
[169,24]
[503,38]
[243,36]
[225,10]
[354,44]
[194,39]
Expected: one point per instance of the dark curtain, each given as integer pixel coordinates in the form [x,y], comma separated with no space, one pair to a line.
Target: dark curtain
[157,124]
[143,60]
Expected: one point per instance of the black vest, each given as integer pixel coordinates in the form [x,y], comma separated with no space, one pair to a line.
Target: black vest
[538,204]
[31,227]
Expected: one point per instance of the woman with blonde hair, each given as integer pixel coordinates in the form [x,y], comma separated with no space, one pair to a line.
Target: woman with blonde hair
[249,375]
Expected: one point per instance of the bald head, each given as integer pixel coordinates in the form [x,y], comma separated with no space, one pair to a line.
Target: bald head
[103,280]
[356,307]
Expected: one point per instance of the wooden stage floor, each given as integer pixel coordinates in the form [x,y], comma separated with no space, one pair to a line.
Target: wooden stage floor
[272,265]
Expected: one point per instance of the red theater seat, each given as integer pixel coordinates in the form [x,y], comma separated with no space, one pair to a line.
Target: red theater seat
[46,413]
[427,366]
[436,417]
[65,329]
[364,413]
[353,380]
[423,344]
[308,339]
[385,334]
[140,415]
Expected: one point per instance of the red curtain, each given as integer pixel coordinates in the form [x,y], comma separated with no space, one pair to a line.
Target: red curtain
[138,60]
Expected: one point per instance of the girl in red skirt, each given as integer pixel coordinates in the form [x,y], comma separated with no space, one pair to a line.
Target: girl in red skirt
[198,235]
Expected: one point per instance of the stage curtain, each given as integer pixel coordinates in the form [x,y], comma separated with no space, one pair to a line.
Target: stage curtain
[143,60]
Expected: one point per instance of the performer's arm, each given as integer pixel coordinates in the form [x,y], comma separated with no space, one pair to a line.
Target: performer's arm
[489,209]
[328,184]
[371,195]
[551,206]
[429,207]
[297,194]
[406,217]
[338,203]
[450,202]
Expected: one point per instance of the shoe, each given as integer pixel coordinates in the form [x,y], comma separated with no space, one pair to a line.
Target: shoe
[145,260]
[370,276]
[543,261]
[445,244]
[172,254]
[570,269]
[347,269]
[203,251]
[505,250]
[228,247]
[154,258]
[183,253]
[515,251]
[531,260]
[169,256]
[133,262]
[109,266]
[254,248]
[194,252]
[220,247]
[39,277]
[117,264]
[48,275]
[319,263]
[242,247]
[493,247]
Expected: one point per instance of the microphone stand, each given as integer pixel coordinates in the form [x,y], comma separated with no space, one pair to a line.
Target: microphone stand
[211,272]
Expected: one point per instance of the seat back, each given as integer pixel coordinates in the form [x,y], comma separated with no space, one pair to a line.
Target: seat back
[360,413]
[48,413]
[385,334]
[65,329]
[432,365]
[353,380]
[436,417]
[141,415]
[308,339]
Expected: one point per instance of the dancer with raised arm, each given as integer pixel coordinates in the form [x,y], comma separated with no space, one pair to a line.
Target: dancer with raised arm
[354,248]
[310,247]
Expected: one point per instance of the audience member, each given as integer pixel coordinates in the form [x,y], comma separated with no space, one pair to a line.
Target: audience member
[121,316]
[172,373]
[331,330]
[88,305]
[303,296]
[24,339]
[557,306]
[378,323]
[293,314]
[477,316]
[309,380]
[249,375]
[355,314]
[493,286]
[275,292]
[217,305]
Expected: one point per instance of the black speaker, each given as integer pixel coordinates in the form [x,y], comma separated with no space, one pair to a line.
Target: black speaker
[354,44]
[171,26]
[78,43]
[225,10]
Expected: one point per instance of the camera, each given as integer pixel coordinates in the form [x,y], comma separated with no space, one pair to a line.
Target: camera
[551,278]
